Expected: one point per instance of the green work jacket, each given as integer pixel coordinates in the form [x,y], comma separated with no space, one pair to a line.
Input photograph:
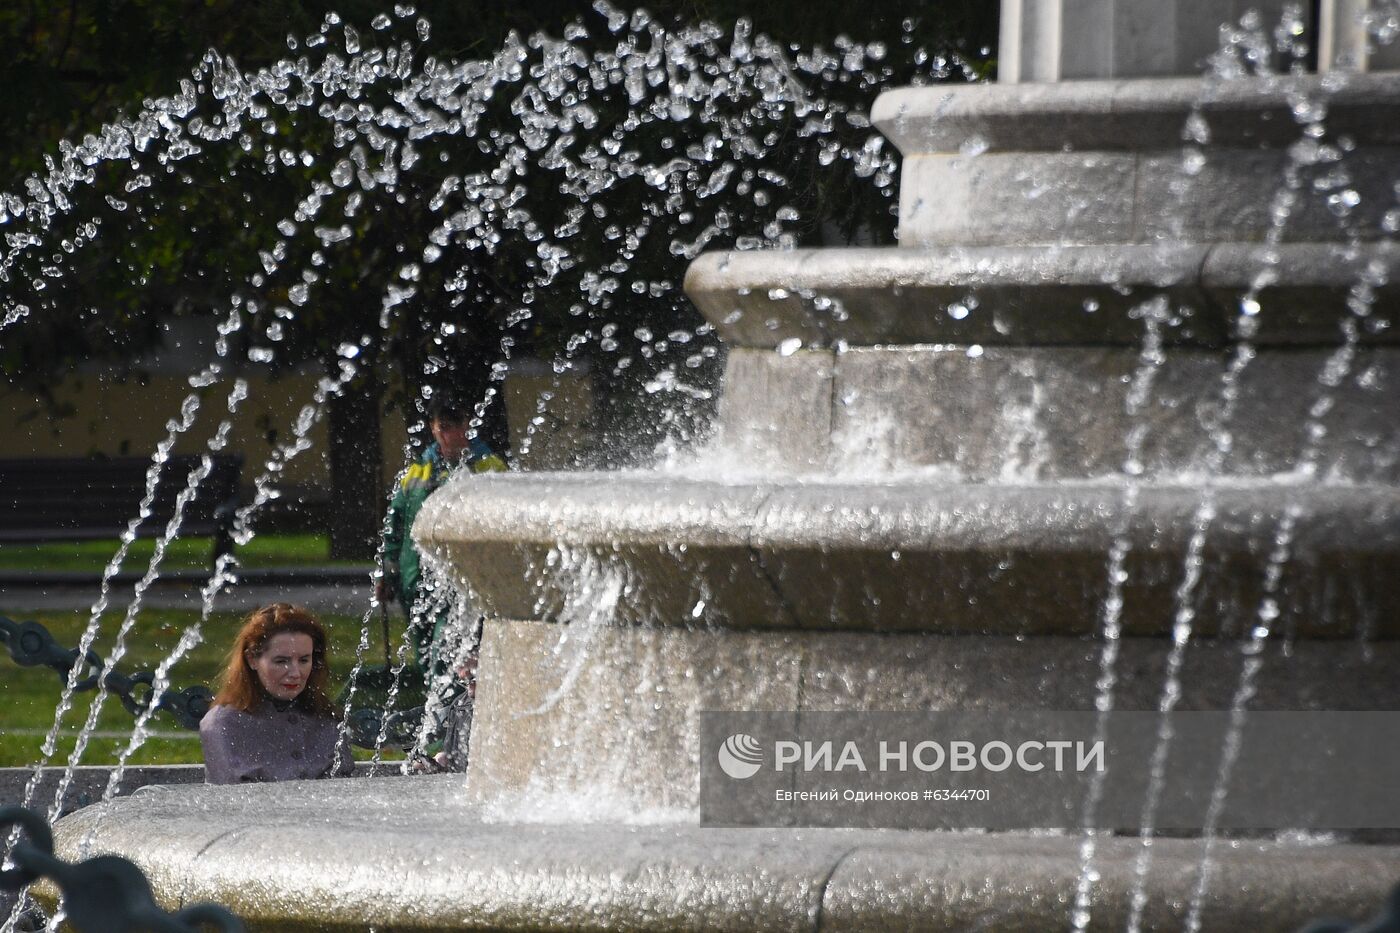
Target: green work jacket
[401,561]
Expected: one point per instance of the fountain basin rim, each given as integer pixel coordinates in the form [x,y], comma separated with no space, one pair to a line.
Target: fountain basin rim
[400,847]
[869,296]
[669,511]
[1134,114]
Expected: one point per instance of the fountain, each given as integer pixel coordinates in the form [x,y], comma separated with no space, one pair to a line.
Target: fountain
[1112,411]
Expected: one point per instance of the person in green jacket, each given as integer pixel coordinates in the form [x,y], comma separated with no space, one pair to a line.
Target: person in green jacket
[455,447]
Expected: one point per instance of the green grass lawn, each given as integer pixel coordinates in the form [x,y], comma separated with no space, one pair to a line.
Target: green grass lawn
[29,695]
[269,550]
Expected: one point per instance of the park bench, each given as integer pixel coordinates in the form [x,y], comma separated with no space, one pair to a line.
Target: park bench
[90,498]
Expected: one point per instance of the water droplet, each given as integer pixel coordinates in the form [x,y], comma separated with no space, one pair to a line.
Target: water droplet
[789,346]
[973,146]
[1196,129]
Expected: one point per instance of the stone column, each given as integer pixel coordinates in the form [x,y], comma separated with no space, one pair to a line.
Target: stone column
[1062,40]
[1343,41]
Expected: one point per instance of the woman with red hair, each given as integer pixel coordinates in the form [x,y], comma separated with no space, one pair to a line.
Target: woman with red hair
[271,719]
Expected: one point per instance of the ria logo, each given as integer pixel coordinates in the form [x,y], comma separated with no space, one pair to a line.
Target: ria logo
[740,756]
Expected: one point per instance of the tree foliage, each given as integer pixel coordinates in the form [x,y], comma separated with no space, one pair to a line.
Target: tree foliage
[153,237]
[431,193]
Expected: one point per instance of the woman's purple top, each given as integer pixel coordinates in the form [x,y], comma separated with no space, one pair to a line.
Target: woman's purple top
[269,744]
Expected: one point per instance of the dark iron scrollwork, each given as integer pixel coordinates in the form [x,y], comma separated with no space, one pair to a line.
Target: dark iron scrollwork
[31,645]
[106,894]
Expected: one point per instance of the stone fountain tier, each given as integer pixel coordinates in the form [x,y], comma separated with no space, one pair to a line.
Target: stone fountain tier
[913,593]
[1113,162]
[1046,295]
[339,856]
[917,554]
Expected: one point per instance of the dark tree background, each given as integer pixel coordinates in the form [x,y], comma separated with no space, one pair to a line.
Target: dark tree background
[183,244]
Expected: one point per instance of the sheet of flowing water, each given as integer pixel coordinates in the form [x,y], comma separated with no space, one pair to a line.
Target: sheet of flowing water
[584,591]
[438,601]
[1195,135]
[460,635]
[588,589]
[366,621]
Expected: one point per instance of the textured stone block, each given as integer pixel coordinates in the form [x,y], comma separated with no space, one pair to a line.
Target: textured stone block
[848,672]
[775,412]
[551,698]
[1142,115]
[1031,560]
[1035,414]
[985,883]
[1231,194]
[1076,198]
[1017,199]
[765,317]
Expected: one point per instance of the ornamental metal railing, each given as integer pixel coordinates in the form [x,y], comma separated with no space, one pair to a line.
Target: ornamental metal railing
[105,894]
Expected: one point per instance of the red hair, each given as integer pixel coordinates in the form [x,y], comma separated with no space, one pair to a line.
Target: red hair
[239,686]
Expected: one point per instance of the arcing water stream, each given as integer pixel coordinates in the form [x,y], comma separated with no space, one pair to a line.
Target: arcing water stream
[721,188]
